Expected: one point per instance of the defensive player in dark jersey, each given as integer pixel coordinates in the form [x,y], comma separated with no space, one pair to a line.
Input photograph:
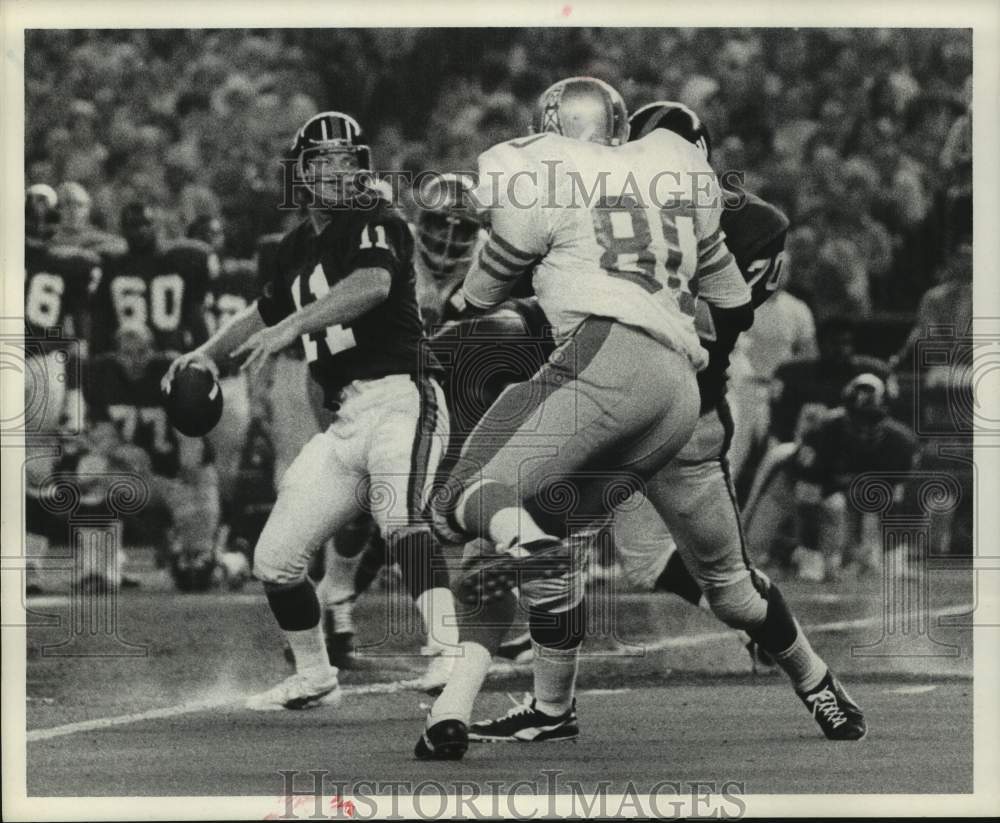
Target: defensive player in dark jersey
[343,285]
[803,387]
[56,281]
[446,232]
[803,392]
[856,437]
[705,556]
[129,427]
[154,285]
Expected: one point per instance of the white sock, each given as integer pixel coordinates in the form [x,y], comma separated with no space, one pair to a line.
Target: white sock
[805,668]
[555,678]
[514,525]
[338,582]
[310,652]
[343,616]
[459,695]
[437,607]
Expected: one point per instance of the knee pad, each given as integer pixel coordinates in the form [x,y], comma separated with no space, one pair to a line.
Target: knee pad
[739,605]
[295,607]
[558,630]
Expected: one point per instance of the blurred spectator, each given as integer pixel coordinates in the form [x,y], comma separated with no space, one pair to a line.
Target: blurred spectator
[946,307]
[85,158]
[841,284]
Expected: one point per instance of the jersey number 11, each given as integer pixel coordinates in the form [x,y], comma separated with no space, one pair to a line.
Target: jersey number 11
[337,338]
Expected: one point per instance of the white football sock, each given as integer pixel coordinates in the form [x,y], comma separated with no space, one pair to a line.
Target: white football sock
[310,652]
[805,668]
[555,678]
[343,616]
[514,525]
[338,582]
[467,677]
[437,607]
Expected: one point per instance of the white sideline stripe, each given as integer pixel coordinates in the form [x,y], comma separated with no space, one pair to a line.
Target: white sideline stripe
[911,690]
[403,685]
[834,626]
[187,708]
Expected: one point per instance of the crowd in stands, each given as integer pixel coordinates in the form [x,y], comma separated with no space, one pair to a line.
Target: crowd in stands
[863,136]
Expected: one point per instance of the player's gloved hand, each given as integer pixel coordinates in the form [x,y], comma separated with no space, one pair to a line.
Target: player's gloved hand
[261,346]
[191,358]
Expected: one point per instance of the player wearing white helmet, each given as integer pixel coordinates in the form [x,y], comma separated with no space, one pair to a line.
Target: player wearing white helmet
[691,498]
[614,274]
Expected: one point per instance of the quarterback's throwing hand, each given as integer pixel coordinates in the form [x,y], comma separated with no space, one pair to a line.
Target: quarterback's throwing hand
[262,345]
[191,358]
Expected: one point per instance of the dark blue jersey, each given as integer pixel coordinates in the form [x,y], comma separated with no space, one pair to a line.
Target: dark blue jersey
[387,339]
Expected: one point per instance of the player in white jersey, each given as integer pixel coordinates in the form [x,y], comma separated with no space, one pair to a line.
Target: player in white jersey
[618,247]
[693,495]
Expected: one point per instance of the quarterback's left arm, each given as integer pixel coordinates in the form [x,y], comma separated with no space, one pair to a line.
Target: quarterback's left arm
[355,295]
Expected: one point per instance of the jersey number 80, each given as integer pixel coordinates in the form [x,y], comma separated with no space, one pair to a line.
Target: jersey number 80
[622,229]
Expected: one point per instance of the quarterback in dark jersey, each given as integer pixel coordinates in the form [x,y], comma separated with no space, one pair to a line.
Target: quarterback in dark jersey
[707,561]
[154,285]
[342,283]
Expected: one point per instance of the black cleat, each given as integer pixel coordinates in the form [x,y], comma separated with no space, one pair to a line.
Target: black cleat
[526,724]
[445,740]
[493,577]
[832,708]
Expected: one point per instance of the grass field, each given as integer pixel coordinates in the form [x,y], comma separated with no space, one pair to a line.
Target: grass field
[665,693]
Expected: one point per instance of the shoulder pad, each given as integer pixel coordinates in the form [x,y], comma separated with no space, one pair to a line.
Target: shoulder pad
[753,226]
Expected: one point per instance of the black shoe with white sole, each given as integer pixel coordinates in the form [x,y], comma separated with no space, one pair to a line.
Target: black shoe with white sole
[527,724]
[444,740]
[832,708]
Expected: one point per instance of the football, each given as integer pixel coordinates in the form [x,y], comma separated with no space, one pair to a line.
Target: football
[194,401]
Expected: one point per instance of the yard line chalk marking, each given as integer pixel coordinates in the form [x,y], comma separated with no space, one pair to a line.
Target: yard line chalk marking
[188,708]
[911,690]
[405,685]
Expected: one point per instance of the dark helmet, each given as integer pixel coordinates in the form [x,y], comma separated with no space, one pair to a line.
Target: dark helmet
[583,108]
[865,399]
[40,212]
[331,157]
[447,226]
[137,226]
[672,116]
